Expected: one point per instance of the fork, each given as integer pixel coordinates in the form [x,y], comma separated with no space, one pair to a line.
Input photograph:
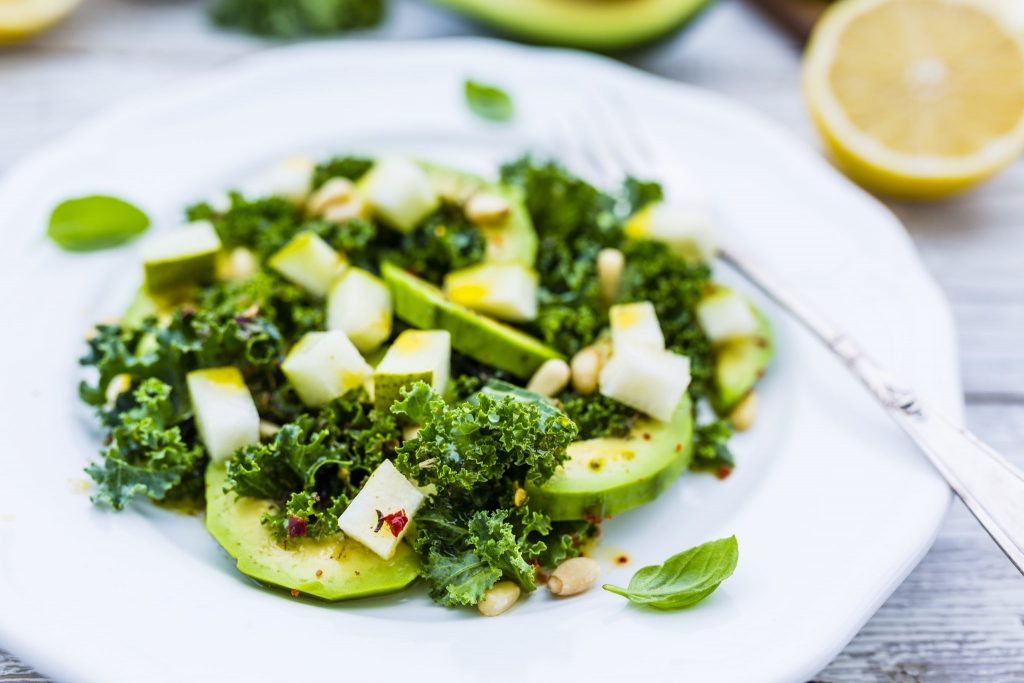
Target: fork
[608,141]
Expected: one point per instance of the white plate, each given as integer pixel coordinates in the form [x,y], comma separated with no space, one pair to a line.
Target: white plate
[831,505]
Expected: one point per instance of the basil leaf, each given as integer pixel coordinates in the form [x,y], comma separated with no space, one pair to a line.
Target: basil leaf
[685,579]
[489,102]
[95,222]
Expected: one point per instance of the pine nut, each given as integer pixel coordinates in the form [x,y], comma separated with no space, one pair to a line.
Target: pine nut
[586,367]
[742,416]
[485,208]
[551,378]
[268,429]
[610,264]
[498,599]
[519,497]
[574,576]
[335,191]
[355,207]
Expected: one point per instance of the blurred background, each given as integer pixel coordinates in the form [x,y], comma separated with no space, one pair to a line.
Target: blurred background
[960,616]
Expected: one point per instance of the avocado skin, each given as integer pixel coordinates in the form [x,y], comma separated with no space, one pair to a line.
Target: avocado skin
[423,305]
[661,451]
[348,570]
[570,23]
[739,363]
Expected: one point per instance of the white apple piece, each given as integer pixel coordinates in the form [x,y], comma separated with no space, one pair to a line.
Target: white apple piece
[416,355]
[725,315]
[379,515]
[503,290]
[686,228]
[224,410]
[359,304]
[635,325]
[291,179]
[649,380]
[400,193]
[324,366]
[308,261]
[185,255]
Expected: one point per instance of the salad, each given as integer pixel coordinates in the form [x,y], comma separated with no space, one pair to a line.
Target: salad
[384,370]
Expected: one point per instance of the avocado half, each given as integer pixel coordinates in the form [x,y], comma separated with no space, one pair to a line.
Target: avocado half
[604,477]
[589,24]
[335,568]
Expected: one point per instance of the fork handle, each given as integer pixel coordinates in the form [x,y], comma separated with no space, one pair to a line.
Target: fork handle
[990,486]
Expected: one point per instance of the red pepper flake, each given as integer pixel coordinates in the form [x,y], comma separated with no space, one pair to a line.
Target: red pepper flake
[592,517]
[296,526]
[295,593]
[396,522]
[319,573]
[357,572]
[723,472]
[679,448]
[622,559]
[647,436]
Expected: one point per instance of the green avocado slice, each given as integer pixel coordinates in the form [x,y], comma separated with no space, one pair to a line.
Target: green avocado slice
[739,363]
[607,476]
[425,306]
[512,240]
[603,25]
[348,570]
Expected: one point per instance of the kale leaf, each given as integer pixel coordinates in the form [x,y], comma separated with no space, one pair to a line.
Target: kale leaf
[350,168]
[149,453]
[485,439]
[314,465]
[711,450]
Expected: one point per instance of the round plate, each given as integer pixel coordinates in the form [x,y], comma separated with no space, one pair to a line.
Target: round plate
[832,506]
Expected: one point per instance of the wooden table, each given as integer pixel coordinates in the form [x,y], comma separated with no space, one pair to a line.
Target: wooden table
[960,615]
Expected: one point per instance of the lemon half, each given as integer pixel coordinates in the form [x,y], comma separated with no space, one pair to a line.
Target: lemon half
[21,19]
[917,98]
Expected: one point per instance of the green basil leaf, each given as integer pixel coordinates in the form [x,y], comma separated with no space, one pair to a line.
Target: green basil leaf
[685,579]
[95,222]
[489,102]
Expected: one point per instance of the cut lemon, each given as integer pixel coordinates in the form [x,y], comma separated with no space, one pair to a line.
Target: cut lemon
[21,19]
[917,98]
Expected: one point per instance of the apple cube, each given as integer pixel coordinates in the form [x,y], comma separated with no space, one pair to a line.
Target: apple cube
[417,355]
[400,193]
[359,304]
[379,515]
[650,380]
[186,255]
[324,366]
[308,261]
[636,325]
[291,179]
[503,290]
[725,315]
[686,228]
[224,410]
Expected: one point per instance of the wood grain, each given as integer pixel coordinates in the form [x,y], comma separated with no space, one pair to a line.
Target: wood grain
[960,615]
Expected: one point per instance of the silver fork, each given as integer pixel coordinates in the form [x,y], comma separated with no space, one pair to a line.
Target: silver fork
[607,141]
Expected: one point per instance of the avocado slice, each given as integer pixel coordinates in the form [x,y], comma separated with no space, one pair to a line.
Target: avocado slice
[425,306]
[348,570]
[604,25]
[514,240]
[606,476]
[739,363]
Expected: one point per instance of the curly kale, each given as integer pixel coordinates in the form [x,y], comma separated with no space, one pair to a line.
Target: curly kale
[314,465]
[598,416]
[350,168]
[151,452]
[296,18]
[475,454]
